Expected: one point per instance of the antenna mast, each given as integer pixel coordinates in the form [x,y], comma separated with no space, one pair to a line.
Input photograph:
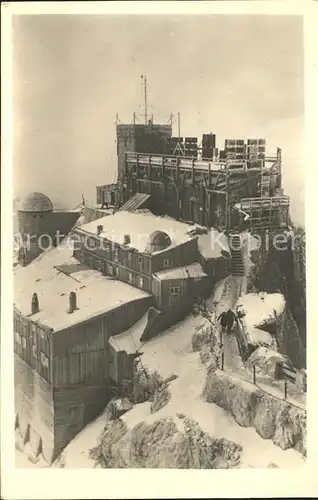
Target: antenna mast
[178,126]
[146,103]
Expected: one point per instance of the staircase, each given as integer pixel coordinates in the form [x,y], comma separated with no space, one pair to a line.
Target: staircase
[137,201]
[237,255]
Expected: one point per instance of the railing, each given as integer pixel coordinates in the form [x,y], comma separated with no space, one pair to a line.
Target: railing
[271,387]
[160,160]
[242,339]
[272,391]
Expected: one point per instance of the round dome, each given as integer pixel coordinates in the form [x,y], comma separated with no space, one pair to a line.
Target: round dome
[158,240]
[36,202]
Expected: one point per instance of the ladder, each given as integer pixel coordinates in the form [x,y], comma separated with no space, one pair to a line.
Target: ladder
[237,255]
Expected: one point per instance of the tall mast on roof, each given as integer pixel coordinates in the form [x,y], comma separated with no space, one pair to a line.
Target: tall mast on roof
[145,96]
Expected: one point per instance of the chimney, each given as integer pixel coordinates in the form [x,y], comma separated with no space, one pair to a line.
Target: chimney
[126,239]
[99,229]
[72,303]
[35,304]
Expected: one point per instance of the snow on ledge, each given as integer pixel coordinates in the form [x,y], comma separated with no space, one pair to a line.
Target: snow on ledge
[261,308]
[212,244]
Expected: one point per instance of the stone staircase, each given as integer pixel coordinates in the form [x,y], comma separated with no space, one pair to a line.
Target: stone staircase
[238,268]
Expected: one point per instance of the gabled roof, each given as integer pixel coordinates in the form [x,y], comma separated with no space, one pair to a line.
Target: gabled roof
[191,271]
[139,227]
[53,275]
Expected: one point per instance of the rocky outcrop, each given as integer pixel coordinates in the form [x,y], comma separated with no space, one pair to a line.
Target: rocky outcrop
[269,313]
[161,398]
[161,445]
[272,418]
[145,384]
[201,337]
[266,360]
[289,340]
[275,270]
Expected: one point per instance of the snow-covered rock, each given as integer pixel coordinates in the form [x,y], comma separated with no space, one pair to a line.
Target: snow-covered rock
[265,359]
[201,337]
[171,353]
[161,398]
[269,322]
[161,445]
[261,309]
[272,418]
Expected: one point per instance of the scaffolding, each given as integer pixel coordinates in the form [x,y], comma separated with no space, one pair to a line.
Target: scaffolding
[265,212]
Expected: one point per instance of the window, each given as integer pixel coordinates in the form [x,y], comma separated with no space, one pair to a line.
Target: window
[112,270]
[139,262]
[91,244]
[24,329]
[80,256]
[166,263]
[18,338]
[130,277]
[88,260]
[34,351]
[175,290]
[140,282]
[23,342]
[33,328]
[44,360]
[129,257]
[99,265]
[116,253]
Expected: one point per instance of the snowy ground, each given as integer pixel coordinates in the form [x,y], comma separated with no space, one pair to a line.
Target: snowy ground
[171,353]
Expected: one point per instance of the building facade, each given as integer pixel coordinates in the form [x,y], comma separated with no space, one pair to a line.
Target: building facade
[107,277]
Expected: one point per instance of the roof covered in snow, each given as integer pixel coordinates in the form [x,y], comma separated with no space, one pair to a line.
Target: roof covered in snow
[139,227]
[213,244]
[53,275]
[129,340]
[191,271]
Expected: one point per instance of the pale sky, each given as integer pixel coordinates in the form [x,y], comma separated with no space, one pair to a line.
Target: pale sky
[236,76]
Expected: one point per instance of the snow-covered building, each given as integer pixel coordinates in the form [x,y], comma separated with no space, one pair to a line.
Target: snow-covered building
[162,261]
[64,314]
[108,277]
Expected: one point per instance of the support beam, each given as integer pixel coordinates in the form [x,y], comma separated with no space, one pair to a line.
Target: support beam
[149,167]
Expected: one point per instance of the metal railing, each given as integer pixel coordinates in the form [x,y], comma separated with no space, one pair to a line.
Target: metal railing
[255,379]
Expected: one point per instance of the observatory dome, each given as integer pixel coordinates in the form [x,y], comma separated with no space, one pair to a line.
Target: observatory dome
[158,241]
[36,202]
